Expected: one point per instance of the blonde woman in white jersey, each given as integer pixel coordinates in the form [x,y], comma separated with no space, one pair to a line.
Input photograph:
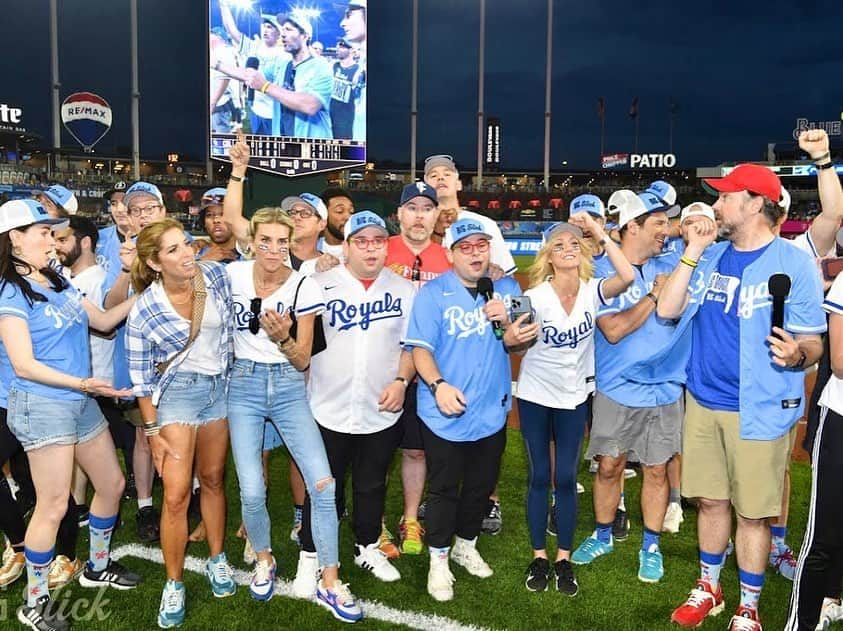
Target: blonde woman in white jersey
[556,380]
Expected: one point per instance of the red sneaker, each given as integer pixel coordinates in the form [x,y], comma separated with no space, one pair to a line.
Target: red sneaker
[745,619]
[702,602]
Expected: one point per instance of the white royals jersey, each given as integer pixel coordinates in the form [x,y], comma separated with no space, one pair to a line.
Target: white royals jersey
[89,282]
[558,370]
[364,331]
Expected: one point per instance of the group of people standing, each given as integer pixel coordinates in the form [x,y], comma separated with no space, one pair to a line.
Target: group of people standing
[309,325]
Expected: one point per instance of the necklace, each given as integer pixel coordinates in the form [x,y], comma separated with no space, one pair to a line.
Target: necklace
[182,302]
[264,287]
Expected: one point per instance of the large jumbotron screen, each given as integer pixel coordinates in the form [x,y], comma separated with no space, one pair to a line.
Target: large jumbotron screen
[292,76]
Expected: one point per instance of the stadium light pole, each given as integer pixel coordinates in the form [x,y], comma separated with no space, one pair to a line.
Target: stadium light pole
[133,25]
[480,114]
[54,73]
[414,106]
[548,74]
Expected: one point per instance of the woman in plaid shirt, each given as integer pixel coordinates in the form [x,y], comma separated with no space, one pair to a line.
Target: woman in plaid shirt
[181,389]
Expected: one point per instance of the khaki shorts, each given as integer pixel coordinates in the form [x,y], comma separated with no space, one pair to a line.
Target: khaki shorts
[717,464]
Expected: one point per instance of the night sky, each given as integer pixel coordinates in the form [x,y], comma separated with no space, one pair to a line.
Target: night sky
[740,78]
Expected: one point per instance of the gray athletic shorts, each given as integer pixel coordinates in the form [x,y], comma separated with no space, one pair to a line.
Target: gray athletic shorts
[647,435]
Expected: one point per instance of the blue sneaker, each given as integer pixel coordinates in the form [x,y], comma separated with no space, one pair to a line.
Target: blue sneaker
[262,586]
[339,601]
[650,565]
[171,611]
[590,549]
[219,573]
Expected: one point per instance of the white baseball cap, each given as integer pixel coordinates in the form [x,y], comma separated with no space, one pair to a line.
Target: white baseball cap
[696,208]
[618,200]
[785,200]
[25,212]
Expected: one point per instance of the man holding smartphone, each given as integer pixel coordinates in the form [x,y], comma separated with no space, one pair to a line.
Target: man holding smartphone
[464,406]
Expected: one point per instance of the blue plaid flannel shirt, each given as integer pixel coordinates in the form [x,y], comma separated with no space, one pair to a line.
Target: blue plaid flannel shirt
[155,334]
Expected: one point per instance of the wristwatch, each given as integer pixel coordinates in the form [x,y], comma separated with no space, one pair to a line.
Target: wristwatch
[434,385]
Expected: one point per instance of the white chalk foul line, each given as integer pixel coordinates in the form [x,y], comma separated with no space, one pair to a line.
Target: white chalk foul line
[375,610]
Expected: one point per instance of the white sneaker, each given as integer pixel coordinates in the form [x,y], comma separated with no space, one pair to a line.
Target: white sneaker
[832,611]
[307,574]
[628,474]
[372,559]
[673,518]
[440,581]
[580,489]
[593,466]
[464,553]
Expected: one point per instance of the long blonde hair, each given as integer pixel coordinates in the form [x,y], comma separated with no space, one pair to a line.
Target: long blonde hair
[148,244]
[270,215]
[541,269]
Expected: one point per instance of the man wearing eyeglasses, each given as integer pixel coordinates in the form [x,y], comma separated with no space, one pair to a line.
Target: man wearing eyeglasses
[454,335]
[309,216]
[304,98]
[412,255]
[357,385]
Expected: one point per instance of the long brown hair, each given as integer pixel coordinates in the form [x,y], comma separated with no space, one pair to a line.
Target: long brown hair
[148,244]
[11,267]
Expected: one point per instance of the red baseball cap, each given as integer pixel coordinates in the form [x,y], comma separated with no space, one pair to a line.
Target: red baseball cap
[754,178]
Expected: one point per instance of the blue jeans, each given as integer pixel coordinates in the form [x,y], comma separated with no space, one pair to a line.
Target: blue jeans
[540,425]
[277,391]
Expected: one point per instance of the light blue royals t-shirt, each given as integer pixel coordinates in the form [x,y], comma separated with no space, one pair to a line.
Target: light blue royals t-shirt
[58,329]
[449,322]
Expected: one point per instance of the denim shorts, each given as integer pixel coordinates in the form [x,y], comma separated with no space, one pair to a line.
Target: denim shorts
[193,399]
[38,421]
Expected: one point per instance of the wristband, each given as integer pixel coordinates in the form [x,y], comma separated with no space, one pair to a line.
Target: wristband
[264,87]
[125,270]
[151,430]
[439,234]
[236,178]
[827,154]
[824,166]
[688,261]
[403,380]
[652,297]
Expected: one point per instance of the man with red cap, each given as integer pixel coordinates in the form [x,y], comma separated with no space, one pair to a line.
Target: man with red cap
[745,386]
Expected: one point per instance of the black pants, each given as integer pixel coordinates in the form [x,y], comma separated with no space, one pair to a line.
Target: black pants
[813,412]
[368,456]
[460,478]
[822,549]
[122,432]
[11,519]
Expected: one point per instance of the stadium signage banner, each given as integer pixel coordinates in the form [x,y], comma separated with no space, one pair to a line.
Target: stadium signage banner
[524,247]
[615,160]
[832,128]
[10,118]
[652,161]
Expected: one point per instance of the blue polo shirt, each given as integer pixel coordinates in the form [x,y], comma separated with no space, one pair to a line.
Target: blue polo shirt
[656,380]
[450,323]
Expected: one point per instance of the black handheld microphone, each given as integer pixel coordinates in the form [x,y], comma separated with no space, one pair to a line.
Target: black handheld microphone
[253,63]
[486,289]
[779,288]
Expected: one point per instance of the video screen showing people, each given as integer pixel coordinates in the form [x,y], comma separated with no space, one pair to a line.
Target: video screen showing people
[289,70]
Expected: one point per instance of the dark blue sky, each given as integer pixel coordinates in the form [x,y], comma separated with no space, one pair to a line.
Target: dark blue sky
[740,77]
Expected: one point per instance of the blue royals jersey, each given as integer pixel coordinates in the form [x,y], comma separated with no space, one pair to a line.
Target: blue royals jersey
[447,321]
[627,372]
[58,329]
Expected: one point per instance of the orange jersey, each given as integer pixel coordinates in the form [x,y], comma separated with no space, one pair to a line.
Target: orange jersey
[433,261]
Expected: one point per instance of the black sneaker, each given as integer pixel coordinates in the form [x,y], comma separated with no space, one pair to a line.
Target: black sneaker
[83,514]
[493,520]
[194,511]
[114,575]
[41,617]
[566,582]
[148,524]
[130,492]
[538,575]
[551,521]
[620,527]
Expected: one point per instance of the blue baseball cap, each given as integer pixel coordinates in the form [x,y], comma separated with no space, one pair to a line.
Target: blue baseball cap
[361,220]
[464,228]
[25,212]
[418,189]
[664,190]
[142,188]
[213,197]
[63,198]
[591,204]
[308,199]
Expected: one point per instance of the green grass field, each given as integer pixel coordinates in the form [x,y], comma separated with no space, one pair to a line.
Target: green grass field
[610,595]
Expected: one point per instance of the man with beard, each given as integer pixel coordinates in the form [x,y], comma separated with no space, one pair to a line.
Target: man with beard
[268,53]
[304,98]
[340,208]
[342,106]
[414,256]
[222,246]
